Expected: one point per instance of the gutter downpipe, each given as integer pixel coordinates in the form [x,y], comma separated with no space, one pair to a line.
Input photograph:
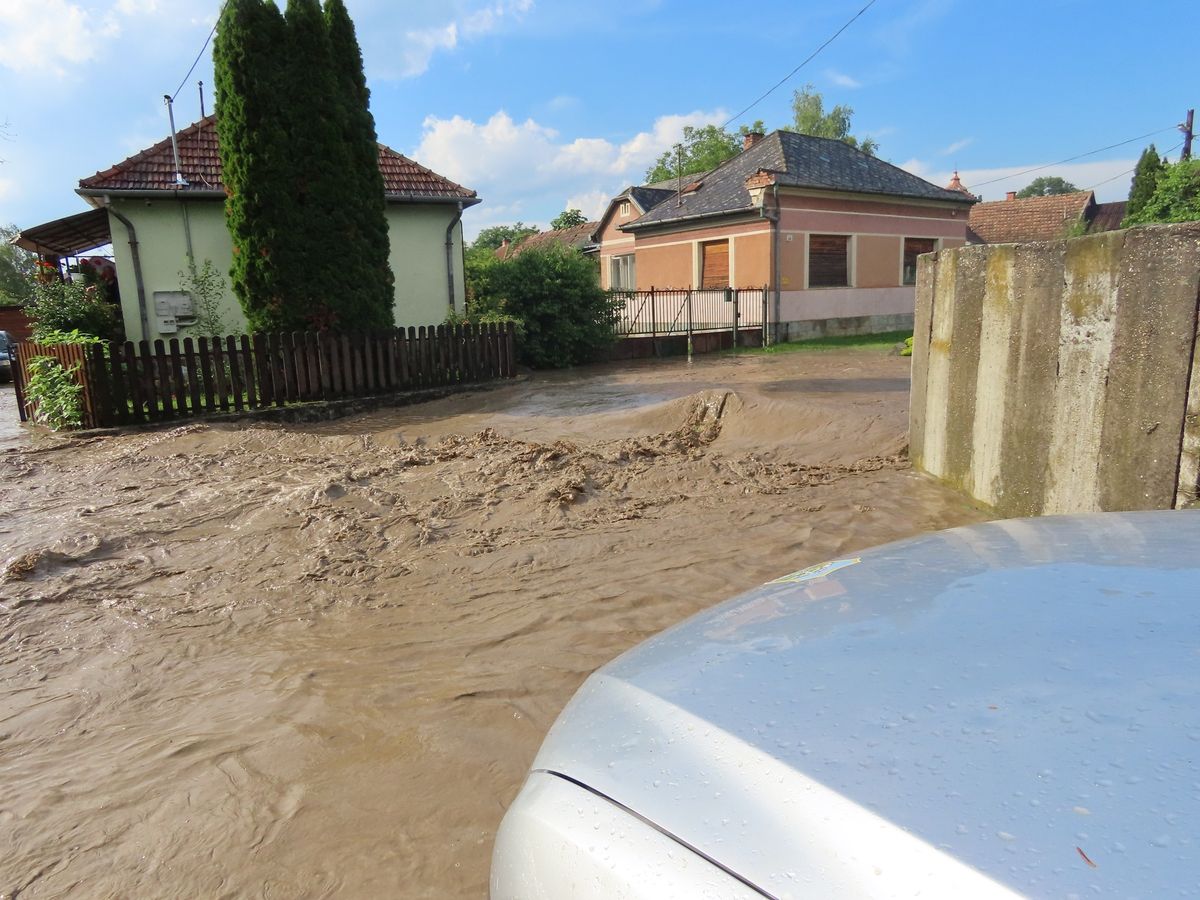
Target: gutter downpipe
[137,266]
[775,264]
[773,217]
[450,253]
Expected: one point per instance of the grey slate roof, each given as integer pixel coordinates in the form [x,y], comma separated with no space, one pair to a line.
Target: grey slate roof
[649,196]
[796,160]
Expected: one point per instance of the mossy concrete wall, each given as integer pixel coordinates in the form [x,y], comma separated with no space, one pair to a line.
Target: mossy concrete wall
[1062,376]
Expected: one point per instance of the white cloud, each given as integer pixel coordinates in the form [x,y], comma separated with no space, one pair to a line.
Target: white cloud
[1109,178]
[529,169]
[420,45]
[591,203]
[502,151]
[8,189]
[47,36]
[841,79]
[956,146]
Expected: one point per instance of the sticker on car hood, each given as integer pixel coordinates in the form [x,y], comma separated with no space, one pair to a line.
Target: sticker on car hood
[818,571]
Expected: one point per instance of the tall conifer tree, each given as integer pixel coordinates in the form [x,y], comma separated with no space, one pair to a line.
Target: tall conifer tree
[306,202]
[247,58]
[365,197]
[1145,179]
[322,290]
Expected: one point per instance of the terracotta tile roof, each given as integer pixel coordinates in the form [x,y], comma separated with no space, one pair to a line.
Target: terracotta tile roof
[577,238]
[1032,219]
[154,170]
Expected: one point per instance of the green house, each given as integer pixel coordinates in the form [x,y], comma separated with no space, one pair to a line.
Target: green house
[158,217]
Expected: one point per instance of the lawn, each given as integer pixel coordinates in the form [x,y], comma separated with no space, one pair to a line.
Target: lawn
[885,341]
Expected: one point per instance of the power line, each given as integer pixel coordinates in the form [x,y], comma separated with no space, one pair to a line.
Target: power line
[1072,158]
[1134,169]
[790,74]
[196,61]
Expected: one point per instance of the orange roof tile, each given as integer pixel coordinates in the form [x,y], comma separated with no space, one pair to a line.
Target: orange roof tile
[154,170]
[576,237]
[1031,219]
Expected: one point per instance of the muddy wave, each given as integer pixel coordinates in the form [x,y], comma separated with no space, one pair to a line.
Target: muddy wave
[316,661]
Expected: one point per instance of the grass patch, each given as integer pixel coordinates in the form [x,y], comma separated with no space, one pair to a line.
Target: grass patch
[885,341]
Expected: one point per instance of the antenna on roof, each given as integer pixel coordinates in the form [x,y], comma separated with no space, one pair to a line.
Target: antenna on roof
[180,181]
[202,99]
[679,174]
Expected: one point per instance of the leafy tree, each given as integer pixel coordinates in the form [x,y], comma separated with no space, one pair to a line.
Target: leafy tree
[249,56]
[568,219]
[16,268]
[701,150]
[370,243]
[1176,197]
[1046,186]
[810,117]
[490,239]
[1146,176]
[552,292]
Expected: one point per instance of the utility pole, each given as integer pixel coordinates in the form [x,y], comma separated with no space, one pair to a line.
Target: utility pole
[1186,128]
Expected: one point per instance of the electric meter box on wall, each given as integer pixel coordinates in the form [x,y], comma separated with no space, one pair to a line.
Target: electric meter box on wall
[173,309]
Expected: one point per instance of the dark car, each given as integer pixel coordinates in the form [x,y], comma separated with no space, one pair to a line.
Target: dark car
[8,356]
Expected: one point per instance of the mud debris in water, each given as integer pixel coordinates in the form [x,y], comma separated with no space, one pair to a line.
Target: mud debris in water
[316,661]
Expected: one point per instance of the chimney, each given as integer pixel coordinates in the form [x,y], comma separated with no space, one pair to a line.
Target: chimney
[751,139]
[1011,195]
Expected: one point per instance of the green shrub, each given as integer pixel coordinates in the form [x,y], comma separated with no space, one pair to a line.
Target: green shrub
[907,351]
[70,306]
[563,316]
[207,289]
[53,337]
[1176,196]
[52,396]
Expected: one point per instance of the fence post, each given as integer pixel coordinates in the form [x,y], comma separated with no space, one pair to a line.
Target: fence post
[689,324]
[19,382]
[766,331]
[732,296]
[653,323]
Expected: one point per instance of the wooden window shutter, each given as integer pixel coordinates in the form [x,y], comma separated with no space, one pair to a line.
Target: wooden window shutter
[715,272]
[828,260]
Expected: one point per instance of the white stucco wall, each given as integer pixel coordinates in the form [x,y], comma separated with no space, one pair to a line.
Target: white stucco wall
[418,258]
[163,253]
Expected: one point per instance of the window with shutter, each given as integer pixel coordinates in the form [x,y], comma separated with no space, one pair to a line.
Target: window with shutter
[715,264]
[828,260]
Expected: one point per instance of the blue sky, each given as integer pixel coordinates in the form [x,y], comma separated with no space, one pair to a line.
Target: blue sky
[541,104]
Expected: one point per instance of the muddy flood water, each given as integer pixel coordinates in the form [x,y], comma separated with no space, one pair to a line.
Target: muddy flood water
[316,660]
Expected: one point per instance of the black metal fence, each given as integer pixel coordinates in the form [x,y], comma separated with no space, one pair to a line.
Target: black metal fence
[658,313]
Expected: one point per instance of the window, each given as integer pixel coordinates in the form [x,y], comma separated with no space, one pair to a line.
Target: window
[625,208]
[828,260]
[914,247]
[714,264]
[622,274]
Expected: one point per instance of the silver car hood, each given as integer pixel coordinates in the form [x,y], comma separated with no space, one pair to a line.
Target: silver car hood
[1011,708]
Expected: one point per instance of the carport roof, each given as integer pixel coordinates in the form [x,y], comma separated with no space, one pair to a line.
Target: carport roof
[69,236]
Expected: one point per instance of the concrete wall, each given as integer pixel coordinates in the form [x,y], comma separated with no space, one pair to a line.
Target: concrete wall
[418,234]
[1063,376]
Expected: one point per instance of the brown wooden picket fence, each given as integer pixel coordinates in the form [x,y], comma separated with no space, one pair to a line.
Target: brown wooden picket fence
[134,383]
